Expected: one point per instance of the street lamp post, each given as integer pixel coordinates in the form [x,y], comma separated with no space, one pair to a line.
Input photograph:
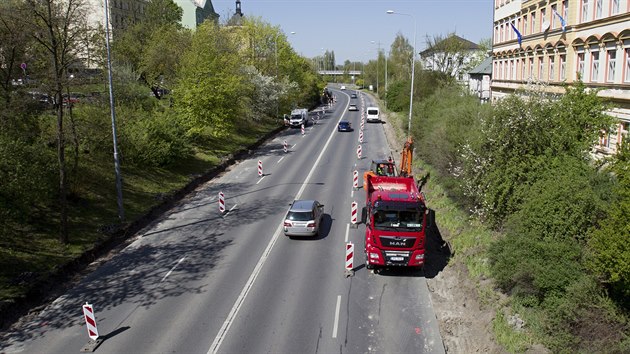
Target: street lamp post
[121,209]
[276,55]
[378,59]
[386,72]
[413,63]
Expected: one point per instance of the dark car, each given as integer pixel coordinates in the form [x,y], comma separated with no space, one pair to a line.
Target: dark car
[354,95]
[344,126]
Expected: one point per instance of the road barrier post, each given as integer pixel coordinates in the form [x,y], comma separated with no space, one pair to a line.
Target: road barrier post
[359,152]
[221,202]
[349,269]
[353,215]
[90,322]
[286,146]
[260,168]
[355,180]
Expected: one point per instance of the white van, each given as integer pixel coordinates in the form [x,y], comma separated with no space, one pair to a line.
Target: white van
[298,117]
[372,114]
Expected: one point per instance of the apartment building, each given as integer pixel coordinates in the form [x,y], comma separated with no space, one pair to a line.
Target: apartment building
[122,13]
[551,42]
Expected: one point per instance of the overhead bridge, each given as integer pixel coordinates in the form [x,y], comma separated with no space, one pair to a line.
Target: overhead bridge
[339,72]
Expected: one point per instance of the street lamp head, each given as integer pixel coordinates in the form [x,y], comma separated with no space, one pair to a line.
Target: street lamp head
[292,32]
[389,12]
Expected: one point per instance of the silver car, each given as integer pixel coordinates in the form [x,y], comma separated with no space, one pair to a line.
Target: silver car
[303,218]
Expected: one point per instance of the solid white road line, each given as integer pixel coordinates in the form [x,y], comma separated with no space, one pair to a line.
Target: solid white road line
[347,231]
[172,269]
[214,348]
[280,159]
[336,323]
[261,178]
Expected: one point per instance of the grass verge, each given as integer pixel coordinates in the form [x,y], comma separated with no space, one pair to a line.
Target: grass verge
[31,254]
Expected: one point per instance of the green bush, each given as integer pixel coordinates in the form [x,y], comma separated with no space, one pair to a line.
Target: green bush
[541,253]
[397,97]
[156,139]
[29,178]
[610,250]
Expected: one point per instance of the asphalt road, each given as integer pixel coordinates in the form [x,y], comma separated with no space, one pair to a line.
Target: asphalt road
[197,281]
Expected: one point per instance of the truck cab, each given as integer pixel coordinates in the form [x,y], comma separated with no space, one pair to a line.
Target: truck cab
[396,219]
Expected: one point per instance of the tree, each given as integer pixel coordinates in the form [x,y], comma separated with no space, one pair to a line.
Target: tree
[450,54]
[210,84]
[609,242]
[161,30]
[59,28]
[400,57]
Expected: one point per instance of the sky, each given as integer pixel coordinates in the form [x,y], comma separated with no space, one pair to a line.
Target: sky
[348,27]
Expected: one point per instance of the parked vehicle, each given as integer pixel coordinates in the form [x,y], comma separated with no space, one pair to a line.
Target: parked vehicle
[298,117]
[304,218]
[396,222]
[372,115]
[395,214]
[353,107]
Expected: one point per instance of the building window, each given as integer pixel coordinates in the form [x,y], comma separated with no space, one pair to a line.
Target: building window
[552,62]
[580,65]
[565,10]
[533,17]
[612,64]
[523,69]
[531,68]
[525,25]
[585,10]
[553,16]
[496,34]
[512,69]
[540,67]
[627,78]
[563,67]
[599,5]
[594,66]
[543,14]
[501,35]
[614,7]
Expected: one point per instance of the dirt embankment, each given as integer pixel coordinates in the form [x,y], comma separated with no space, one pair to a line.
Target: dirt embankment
[465,324]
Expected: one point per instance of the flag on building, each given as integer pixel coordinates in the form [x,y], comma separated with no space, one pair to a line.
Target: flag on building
[518,34]
[563,23]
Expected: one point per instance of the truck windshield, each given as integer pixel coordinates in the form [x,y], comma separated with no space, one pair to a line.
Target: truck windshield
[401,220]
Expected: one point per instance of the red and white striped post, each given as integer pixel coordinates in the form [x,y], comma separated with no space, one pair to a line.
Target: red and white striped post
[355,179]
[359,152]
[286,146]
[260,170]
[302,129]
[90,321]
[349,268]
[353,215]
[361,136]
[221,202]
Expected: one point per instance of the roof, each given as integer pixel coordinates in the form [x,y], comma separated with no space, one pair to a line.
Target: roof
[485,68]
[302,205]
[451,39]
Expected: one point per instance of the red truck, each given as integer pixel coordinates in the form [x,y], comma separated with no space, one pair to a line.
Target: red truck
[395,216]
